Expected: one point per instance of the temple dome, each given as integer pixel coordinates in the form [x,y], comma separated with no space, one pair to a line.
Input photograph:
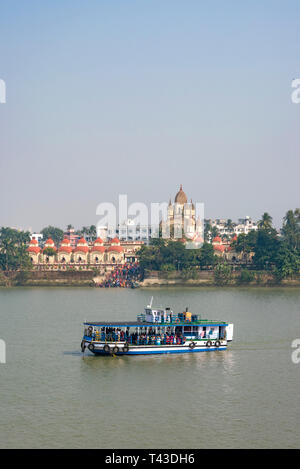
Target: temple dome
[181,197]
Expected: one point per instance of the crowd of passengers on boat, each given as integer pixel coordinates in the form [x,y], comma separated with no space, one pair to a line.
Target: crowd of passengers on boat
[155,336]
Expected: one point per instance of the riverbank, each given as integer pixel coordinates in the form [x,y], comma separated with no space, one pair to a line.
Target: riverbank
[207,279]
[152,279]
[49,279]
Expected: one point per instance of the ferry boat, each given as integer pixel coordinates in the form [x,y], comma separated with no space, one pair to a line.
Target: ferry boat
[157,331]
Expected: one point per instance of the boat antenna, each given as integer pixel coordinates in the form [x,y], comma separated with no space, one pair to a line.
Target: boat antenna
[151,301]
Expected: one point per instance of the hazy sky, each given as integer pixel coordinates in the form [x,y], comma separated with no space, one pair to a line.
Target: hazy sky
[137,97]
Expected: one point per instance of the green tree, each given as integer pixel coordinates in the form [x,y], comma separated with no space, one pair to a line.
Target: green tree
[210,232]
[287,262]
[246,276]
[267,245]
[207,232]
[222,274]
[245,243]
[54,233]
[13,250]
[206,255]
[50,252]
[265,222]
[291,229]
[92,232]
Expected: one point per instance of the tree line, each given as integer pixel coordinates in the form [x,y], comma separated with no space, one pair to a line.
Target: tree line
[57,234]
[270,250]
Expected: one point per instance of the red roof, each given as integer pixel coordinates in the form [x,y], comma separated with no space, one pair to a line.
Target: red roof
[82,241]
[66,241]
[98,241]
[115,241]
[98,249]
[34,249]
[222,248]
[67,249]
[49,241]
[34,242]
[217,239]
[82,249]
[115,249]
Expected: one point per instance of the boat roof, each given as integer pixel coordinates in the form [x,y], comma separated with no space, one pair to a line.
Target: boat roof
[203,322]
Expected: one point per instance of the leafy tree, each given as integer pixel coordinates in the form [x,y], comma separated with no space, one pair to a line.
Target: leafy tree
[265,222]
[291,229]
[287,262]
[167,268]
[13,250]
[246,276]
[245,243]
[210,232]
[93,232]
[267,245]
[222,274]
[54,233]
[207,232]
[207,256]
[50,252]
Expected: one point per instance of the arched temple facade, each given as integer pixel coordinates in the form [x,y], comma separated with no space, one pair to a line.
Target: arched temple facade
[84,255]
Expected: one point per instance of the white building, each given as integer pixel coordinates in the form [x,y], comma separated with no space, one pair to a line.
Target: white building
[126,231]
[243,225]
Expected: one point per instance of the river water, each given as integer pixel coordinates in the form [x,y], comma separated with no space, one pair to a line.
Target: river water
[50,396]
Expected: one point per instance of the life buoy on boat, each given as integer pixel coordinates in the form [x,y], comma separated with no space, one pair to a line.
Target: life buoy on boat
[116,350]
[91,347]
[217,343]
[209,343]
[106,348]
[125,348]
[192,345]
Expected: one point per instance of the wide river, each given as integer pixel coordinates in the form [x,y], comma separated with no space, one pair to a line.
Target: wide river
[50,396]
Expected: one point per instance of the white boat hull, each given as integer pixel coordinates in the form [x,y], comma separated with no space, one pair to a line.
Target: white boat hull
[117,348]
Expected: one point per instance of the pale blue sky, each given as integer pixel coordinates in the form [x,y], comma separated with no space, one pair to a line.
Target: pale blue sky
[137,97]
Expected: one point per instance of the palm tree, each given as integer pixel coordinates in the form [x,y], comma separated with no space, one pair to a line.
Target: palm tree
[266,222]
[291,228]
[93,232]
[84,231]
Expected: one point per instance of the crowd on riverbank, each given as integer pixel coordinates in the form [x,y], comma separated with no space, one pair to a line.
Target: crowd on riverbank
[126,276]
